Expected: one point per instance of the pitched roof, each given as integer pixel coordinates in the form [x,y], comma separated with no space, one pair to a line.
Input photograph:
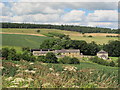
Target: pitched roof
[102,52]
[68,51]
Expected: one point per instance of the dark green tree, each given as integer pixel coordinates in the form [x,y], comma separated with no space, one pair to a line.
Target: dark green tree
[51,58]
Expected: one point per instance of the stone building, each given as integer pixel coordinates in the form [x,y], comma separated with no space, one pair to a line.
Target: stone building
[59,53]
[102,54]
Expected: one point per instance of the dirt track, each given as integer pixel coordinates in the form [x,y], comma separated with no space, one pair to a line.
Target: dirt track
[22,33]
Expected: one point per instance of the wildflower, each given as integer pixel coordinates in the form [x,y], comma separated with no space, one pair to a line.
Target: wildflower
[25,86]
[19,80]
[9,79]
[26,70]
[14,86]
[31,63]
[30,79]
[46,85]
[51,69]
[17,65]
[32,71]
[57,74]
[1,67]
[16,83]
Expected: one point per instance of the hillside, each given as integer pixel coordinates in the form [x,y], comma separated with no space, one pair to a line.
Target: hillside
[81,29]
[22,40]
[99,38]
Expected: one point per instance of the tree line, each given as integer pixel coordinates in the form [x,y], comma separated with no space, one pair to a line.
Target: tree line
[81,29]
[86,48]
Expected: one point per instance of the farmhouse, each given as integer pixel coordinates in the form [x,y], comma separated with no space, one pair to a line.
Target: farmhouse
[102,54]
[59,53]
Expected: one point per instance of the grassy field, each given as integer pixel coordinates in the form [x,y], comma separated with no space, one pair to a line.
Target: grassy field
[21,74]
[15,40]
[99,38]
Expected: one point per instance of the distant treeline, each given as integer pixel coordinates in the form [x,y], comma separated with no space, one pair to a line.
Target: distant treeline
[81,29]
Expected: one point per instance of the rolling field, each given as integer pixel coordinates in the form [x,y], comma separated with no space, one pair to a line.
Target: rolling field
[22,40]
[99,38]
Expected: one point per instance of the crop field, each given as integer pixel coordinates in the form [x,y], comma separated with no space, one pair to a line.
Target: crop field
[22,74]
[16,40]
[99,38]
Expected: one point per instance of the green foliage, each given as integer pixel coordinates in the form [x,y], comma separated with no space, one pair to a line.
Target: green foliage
[28,56]
[112,64]
[5,52]
[82,29]
[51,58]
[25,49]
[9,69]
[38,31]
[101,61]
[90,36]
[41,59]
[68,60]
[113,48]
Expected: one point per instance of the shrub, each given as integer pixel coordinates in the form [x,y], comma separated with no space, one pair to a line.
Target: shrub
[41,58]
[90,36]
[68,60]
[101,61]
[38,31]
[50,58]
[112,64]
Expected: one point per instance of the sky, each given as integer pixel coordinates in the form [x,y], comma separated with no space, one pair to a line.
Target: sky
[96,14]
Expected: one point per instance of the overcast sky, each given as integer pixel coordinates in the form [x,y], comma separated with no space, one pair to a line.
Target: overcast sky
[100,14]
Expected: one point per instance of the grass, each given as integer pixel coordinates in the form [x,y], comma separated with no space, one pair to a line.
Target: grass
[99,38]
[15,40]
[46,75]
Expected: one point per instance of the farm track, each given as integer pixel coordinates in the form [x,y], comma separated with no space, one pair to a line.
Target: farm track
[22,34]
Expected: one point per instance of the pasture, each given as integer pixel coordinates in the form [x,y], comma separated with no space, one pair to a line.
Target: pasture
[15,40]
[99,38]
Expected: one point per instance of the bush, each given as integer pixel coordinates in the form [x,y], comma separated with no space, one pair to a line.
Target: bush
[38,31]
[41,59]
[90,36]
[112,64]
[101,61]
[51,58]
[68,60]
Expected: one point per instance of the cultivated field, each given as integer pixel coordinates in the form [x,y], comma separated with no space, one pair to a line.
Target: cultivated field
[99,38]
[17,40]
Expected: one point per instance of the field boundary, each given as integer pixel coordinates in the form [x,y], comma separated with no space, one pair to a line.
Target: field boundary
[23,34]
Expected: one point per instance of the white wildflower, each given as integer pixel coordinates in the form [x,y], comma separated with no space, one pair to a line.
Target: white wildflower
[17,65]
[16,83]
[9,79]
[1,67]
[14,86]
[51,69]
[18,70]
[31,63]
[29,79]
[32,71]
[26,70]
[25,86]
[19,80]
[57,74]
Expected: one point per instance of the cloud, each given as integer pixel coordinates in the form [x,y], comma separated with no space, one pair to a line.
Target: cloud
[34,8]
[74,16]
[103,15]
